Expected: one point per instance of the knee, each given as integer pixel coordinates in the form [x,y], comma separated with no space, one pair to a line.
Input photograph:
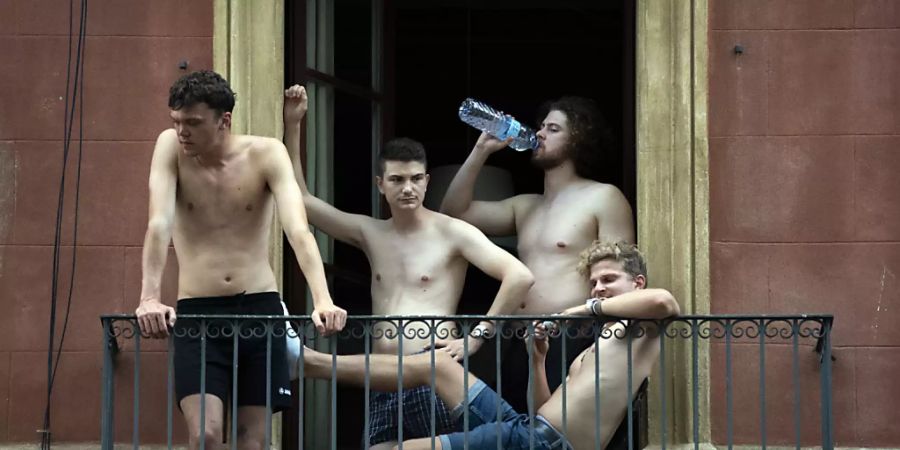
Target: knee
[248,440]
[211,437]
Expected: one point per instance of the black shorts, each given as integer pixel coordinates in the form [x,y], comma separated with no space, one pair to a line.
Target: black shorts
[251,347]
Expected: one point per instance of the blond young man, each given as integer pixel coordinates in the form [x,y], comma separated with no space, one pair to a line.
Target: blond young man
[618,281]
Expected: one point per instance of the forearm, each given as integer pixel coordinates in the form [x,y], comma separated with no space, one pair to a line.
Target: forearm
[153,261]
[513,288]
[292,133]
[310,261]
[541,385]
[641,304]
[461,190]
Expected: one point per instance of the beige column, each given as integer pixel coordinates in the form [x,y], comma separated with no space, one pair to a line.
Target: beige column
[248,50]
[673,192]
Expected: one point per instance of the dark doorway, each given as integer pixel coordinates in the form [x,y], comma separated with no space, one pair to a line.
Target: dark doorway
[512,54]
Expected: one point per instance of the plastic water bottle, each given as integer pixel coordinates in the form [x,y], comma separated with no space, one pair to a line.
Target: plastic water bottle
[497,124]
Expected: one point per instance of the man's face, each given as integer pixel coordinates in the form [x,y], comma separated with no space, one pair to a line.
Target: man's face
[553,138]
[403,184]
[198,127]
[609,279]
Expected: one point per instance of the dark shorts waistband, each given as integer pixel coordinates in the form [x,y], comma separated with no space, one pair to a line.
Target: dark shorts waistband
[236,300]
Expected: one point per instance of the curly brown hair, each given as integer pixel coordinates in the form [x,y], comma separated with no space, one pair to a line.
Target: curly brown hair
[589,130]
[628,254]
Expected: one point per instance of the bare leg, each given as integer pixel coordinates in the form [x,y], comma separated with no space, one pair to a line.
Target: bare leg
[251,432]
[211,433]
[383,371]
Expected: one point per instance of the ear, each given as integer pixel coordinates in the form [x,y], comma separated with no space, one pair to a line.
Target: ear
[427,179]
[640,282]
[378,183]
[226,121]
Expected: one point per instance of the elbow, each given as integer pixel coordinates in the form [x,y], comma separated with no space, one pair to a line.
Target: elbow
[159,227]
[299,236]
[450,207]
[521,277]
[526,278]
[665,305]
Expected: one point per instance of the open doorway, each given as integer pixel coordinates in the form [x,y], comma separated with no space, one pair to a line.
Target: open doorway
[512,54]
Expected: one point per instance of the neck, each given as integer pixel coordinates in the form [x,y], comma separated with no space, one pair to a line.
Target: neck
[559,177]
[217,154]
[406,220]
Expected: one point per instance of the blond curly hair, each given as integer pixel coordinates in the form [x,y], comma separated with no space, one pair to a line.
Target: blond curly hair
[628,254]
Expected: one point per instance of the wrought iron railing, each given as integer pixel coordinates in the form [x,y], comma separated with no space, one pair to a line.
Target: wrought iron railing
[812,332]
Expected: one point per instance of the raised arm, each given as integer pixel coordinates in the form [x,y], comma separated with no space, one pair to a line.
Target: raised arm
[327,317]
[153,316]
[336,223]
[493,218]
[515,279]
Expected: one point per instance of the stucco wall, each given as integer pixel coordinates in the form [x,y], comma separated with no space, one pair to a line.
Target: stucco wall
[132,53]
[804,149]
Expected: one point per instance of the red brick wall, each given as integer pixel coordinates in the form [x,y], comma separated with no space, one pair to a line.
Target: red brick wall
[131,55]
[804,151]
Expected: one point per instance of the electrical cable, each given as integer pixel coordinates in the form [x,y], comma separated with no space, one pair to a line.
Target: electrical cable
[68,121]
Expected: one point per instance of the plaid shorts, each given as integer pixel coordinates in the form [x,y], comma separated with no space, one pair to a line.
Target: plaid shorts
[383,422]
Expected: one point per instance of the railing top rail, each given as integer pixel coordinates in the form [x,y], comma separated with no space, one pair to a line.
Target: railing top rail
[470,317]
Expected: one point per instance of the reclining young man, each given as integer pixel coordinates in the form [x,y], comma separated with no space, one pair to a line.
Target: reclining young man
[617,275]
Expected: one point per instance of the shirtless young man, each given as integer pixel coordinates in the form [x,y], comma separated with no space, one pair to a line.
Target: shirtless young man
[418,258]
[617,275]
[554,226]
[211,193]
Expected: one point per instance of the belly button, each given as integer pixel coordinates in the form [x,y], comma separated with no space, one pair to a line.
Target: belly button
[249,208]
[425,278]
[190,206]
[522,307]
[228,279]
[377,277]
[561,244]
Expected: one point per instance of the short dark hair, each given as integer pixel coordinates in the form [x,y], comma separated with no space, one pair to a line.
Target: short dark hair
[589,131]
[402,149]
[204,86]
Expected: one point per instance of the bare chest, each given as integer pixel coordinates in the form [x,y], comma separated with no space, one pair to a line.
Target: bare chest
[412,263]
[228,197]
[560,228]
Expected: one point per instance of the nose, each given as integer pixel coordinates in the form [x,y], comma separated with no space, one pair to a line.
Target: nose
[598,289]
[541,135]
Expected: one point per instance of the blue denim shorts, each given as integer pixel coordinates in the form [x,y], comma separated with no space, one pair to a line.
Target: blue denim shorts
[512,432]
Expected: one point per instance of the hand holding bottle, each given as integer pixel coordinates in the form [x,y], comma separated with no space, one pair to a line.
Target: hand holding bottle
[489,144]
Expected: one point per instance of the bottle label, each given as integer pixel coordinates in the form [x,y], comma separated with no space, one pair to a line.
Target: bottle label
[513,130]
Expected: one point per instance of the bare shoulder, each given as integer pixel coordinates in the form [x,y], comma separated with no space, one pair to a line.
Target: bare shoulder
[261,146]
[452,226]
[166,149]
[604,195]
[167,140]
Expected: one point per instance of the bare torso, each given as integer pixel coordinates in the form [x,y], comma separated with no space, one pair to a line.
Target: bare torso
[223,218]
[552,233]
[420,272]
[581,386]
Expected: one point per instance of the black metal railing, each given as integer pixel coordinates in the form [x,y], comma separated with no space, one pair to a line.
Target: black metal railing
[758,332]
